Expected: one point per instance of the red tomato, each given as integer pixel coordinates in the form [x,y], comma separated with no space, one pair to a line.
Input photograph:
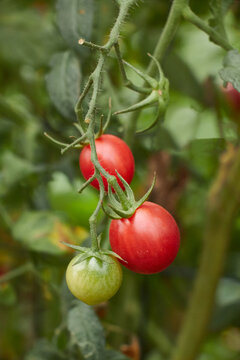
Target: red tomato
[113,154]
[232,96]
[148,241]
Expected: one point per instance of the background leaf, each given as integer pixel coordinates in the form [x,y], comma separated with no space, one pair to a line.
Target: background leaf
[218,10]
[63,82]
[42,231]
[231,70]
[114,355]
[43,350]
[26,36]
[86,331]
[75,21]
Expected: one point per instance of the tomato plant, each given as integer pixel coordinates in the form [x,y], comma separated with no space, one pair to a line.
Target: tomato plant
[175,125]
[113,154]
[94,280]
[148,241]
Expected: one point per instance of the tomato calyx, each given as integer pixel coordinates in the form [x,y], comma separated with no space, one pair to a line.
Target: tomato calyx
[86,253]
[158,93]
[83,140]
[124,207]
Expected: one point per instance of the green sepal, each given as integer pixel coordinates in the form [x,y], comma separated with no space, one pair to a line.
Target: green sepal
[115,211]
[123,213]
[82,258]
[89,254]
[128,189]
[155,121]
[149,100]
[112,253]
[100,131]
[111,198]
[110,212]
[160,71]
[84,185]
[75,247]
[108,116]
[151,81]
[60,143]
[146,196]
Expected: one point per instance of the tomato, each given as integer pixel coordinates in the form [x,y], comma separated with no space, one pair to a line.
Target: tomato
[113,154]
[93,280]
[148,241]
[232,96]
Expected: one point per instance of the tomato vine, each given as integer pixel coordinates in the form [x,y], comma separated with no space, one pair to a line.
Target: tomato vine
[121,202]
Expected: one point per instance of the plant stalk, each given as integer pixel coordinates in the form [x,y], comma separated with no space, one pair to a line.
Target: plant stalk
[165,39]
[218,39]
[223,201]
[94,83]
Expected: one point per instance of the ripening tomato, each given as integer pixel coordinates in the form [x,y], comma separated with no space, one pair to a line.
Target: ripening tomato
[93,280]
[148,241]
[113,154]
[232,96]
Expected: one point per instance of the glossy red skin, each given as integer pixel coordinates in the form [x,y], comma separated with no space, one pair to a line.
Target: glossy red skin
[148,241]
[232,96]
[113,154]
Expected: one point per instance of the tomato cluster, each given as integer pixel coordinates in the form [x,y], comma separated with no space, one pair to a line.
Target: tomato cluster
[147,242]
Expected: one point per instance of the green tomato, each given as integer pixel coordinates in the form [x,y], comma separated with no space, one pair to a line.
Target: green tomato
[94,280]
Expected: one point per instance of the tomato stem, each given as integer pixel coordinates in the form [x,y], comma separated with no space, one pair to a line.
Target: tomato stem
[15,273]
[218,39]
[223,201]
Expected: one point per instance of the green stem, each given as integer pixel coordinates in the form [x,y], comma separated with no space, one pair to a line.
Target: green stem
[96,75]
[94,81]
[114,34]
[168,32]
[166,37]
[126,81]
[218,39]
[6,218]
[223,202]
[15,273]
[93,218]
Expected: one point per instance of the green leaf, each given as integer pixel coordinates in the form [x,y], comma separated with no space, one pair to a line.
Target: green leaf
[226,4]
[26,36]
[204,155]
[67,299]
[114,355]
[202,55]
[226,316]
[63,82]
[218,10]
[42,232]
[231,69]
[14,170]
[7,294]
[43,350]
[185,122]
[181,76]
[75,21]
[63,197]
[161,139]
[86,331]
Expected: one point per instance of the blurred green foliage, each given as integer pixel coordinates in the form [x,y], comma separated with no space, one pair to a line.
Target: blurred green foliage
[42,73]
